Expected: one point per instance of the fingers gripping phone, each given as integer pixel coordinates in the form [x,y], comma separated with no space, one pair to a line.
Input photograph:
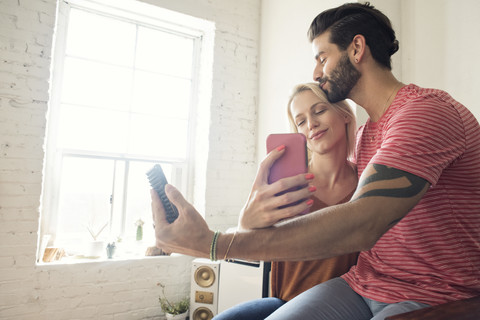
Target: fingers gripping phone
[293,162]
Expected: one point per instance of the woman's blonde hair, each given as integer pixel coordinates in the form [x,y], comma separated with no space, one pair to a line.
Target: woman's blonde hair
[342,108]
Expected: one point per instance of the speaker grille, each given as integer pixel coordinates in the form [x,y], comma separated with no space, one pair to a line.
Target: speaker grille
[202,314]
[204,276]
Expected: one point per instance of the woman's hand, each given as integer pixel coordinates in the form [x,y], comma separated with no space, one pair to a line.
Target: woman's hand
[263,208]
[188,234]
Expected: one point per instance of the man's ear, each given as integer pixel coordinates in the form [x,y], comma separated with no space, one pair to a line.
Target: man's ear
[357,48]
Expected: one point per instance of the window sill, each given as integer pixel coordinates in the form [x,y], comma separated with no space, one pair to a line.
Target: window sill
[80,259]
[124,251]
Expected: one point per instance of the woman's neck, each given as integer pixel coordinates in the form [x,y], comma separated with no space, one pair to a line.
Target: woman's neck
[330,172]
[334,179]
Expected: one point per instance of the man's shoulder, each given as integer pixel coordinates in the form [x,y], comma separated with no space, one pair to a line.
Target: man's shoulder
[413,94]
[418,102]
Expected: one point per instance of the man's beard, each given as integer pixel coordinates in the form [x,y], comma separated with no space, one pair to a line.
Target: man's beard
[342,80]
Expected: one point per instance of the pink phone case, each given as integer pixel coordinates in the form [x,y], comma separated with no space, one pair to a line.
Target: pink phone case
[294,161]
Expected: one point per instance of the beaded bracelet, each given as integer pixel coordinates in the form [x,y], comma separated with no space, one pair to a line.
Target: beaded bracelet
[213,246]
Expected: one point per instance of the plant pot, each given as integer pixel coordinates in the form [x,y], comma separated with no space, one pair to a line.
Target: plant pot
[111,250]
[181,316]
[95,249]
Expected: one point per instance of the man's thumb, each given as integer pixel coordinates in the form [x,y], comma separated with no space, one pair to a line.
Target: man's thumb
[174,195]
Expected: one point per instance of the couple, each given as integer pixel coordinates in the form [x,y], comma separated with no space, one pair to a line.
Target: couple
[415,213]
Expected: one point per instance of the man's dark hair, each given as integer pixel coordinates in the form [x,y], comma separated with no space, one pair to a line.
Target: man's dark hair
[351,19]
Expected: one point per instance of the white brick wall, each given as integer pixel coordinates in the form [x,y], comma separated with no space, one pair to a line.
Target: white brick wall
[112,289]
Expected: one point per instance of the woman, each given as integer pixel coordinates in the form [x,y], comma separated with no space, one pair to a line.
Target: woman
[330,130]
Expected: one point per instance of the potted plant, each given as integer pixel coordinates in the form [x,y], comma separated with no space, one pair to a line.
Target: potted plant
[139,224]
[174,310]
[96,247]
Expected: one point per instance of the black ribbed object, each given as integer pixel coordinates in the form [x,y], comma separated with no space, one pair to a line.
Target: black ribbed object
[158,181]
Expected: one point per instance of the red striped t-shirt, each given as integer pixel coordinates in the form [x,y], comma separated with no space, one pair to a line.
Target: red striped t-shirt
[433,254]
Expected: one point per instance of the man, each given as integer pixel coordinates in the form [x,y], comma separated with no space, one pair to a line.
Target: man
[415,214]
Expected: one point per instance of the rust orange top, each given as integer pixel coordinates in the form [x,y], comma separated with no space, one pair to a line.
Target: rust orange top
[290,278]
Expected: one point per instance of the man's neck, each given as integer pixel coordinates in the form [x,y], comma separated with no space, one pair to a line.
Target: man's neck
[375,92]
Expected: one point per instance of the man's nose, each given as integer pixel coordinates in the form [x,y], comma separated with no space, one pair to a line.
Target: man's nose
[317,72]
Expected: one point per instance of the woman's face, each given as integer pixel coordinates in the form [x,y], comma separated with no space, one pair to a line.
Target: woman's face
[319,122]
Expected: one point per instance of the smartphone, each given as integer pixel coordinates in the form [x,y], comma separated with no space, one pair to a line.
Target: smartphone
[294,161]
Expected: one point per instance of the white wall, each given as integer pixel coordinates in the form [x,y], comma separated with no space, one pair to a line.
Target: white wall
[285,59]
[112,289]
[438,48]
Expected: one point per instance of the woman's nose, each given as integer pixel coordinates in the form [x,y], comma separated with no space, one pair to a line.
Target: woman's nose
[312,123]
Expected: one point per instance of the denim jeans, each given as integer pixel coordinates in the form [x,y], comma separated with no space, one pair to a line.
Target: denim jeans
[335,300]
[257,309]
[331,300]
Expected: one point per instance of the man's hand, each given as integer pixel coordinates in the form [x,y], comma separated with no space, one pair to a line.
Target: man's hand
[188,234]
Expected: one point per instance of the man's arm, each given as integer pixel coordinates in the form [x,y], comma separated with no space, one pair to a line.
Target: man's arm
[383,197]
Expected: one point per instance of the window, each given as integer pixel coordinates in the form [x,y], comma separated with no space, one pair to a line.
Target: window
[123,98]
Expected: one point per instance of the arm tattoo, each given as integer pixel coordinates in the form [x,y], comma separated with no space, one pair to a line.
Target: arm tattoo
[388,173]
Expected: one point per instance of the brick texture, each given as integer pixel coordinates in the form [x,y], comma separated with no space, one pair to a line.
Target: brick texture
[113,289]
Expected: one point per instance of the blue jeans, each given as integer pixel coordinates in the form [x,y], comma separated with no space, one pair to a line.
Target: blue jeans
[333,299]
[257,309]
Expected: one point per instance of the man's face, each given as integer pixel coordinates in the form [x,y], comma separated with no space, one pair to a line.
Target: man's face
[334,72]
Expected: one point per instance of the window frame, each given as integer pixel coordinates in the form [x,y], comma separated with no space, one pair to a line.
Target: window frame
[182,171]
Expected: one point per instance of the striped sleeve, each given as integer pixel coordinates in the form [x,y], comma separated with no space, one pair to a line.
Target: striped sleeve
[422,138]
